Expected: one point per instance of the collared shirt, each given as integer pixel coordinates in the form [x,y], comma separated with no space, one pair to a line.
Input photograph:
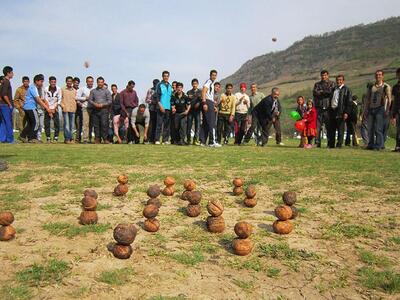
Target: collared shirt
[227,104]
[68,102]
[100,96]
[196,99]
[255,99]
[335,97]
[82,95]
[209,84]
[19,97]
[30,97]
[53,97]
[180,103]
[5,90]
[129,99]
[241,107]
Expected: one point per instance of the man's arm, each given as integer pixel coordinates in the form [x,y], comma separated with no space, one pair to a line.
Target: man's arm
[347,103]
[108,99]
[4,87]
[18,99]
[91,98]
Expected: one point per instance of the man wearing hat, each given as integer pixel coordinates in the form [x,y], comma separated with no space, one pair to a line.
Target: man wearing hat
[242,108]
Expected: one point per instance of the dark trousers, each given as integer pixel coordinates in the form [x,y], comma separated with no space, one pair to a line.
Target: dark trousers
[376,125]
[31,126]
[152,126]
[278,131]
[193,119]
[398,131]
[241,121]
[208,125]
[265,128]
[364,129]
[163,126]
[322,120]
[351,135]
[56,121]
[180,127]
[100,123]
[223,127]
[78,122]
[137,138]
[335,123]
[130,136]
[90,111]
[254,128]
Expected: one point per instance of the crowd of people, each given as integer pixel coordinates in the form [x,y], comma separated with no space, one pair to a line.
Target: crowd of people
[203,115]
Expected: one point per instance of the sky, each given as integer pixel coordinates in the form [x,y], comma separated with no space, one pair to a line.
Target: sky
[136,40]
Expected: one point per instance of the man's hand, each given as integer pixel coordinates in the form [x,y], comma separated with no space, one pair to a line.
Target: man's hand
[393,120]
[145,137]
[273,120]
[162,110]
[231,119]
[345,116]
[173,110]
[205,107]
[136,132]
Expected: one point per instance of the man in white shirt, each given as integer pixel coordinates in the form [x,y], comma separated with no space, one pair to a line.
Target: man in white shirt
[82,97]
[207,103]
[242,108]
[52,95]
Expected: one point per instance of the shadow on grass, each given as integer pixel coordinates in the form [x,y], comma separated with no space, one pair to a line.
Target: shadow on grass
[202,224]
[269,212]
[267,227]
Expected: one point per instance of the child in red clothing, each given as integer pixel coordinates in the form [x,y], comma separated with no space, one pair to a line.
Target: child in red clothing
[301,109]
[310,117]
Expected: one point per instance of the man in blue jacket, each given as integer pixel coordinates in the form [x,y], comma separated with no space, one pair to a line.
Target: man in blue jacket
[163,95]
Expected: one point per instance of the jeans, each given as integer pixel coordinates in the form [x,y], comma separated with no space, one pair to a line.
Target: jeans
[69,119]
[136,138]
[31,126]
[180,127]
[322,120]
[100,123]
[223,127]
[6,124]
[163,126]
[41,123]
[241,120]
[209,125]
[21,120]
[193,117]
[376,123]
[56,121]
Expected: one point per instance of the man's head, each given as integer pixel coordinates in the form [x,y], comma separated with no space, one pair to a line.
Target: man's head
[165,76]
[300,100]
[173,84]
[8,72]
[156,82]
[243,87]
[379,76]
[339,80]
[39,79]
[89,82]
[398,73]
[275,93]
[324,75]
[179,87]
[100,82]
[142,108]
[52,81]
[114,88]
[253,88]
[25,81]
[130,86]
[195,83]
[229,89]
[69,81]
[213,75]
[217,87]
[76,83]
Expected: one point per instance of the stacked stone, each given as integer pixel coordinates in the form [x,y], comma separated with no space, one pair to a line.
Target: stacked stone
[89,205]
[250,200]
[189,186]
[194,209]
[124,234]
[215,222]
[242,245]
[285,213]
[154,192]
[122,188]
[7,231]
[238,186]
[169,189]
[150,212]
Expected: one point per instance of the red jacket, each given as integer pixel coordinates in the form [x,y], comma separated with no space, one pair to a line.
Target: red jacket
[310,116]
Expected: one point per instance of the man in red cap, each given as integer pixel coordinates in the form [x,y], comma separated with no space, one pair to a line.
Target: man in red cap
[241,111]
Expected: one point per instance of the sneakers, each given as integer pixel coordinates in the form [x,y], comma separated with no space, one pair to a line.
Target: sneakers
[280,144]
[196,143]
[157,143]
[215,145]
[308,146]
[23,140]
[166,143]
[33,141]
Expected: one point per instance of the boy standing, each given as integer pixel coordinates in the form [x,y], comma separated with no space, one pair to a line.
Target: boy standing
[255,98]
[163,95]
[19,99]
[242,108]
[6,107]
[207,102]
[180,108]
[226,113]
[194,114]
[52,95]
[68,105]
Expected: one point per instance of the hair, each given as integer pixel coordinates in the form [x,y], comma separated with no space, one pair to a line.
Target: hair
[39,77]
[229,85]
[174,82]
[156,81]
[1,77]
[217,83]
[354,98]
[380,71]
[99,78]
[6,70]
[398,71]
[195,80]
[142,105]
[77,79]
[213,71]
[300,97]
[131,82]
[340,76]
[52,78]
[165,73]
[253,84]
[68,78]
[25,78]
[89,77]
[179,84]
[274,89]
[324,72]
[114,85]
[310,102]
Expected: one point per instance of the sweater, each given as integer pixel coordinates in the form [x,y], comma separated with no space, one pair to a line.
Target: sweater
[242,108]
[227,105]
[68,102]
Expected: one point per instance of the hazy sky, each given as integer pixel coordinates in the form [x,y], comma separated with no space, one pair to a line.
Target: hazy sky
[136,40]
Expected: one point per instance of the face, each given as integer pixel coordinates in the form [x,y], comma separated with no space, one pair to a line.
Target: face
[174,86]
[213,76]
[114,89]
[195,85]
[253,88]
[165,77]
[11,74]
[309,105]
[300,101]
[25,83]
[325,77]
[100,83]
[276,94]
[229,90]
[379,76]
[339,81]
[130,87]
[53,83]
[39,83]
[141,110]
[179,89]
[243,89]
[76,84]
[69,83]
[217,88]
[89,82]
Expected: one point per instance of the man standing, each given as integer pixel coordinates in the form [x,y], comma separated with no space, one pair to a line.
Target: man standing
[19,99]
[99,102]
[82,97]
[255,98]
[226,114]
[129,101]
[78,113]
[151,101]
[265,112]
[163,96]
[338,112]
[395,113]
[209,119]
[378,102]
[180,105]
[6,107]
[32,99]
[68,105]
[322,92]
[241,111]
[194,114]
[140,117]
[53,98]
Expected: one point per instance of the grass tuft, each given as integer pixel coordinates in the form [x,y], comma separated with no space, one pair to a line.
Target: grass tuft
[44,274]
[387,281]
[116,277]
[69,230]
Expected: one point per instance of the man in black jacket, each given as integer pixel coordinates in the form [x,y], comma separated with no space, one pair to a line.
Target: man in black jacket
[322,92]
[395,113]
[338,112]
[266,112]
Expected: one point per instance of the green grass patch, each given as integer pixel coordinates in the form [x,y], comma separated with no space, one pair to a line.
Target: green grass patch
[20,292]
[387,281]
[373,259]
[273,272]
[70,231]
[194,257]
[350,231]
[282,251]
[116,277]
[394,240]
[243,284]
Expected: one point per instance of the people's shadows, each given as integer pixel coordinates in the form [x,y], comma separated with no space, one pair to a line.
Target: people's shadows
[269,212]
[182,210]
[226,244]
[267,227]
[201,223]
[140,224]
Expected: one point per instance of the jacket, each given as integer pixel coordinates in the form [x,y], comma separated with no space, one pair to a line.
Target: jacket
[263,110]
[344,101]
[396,100]
[323,92]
